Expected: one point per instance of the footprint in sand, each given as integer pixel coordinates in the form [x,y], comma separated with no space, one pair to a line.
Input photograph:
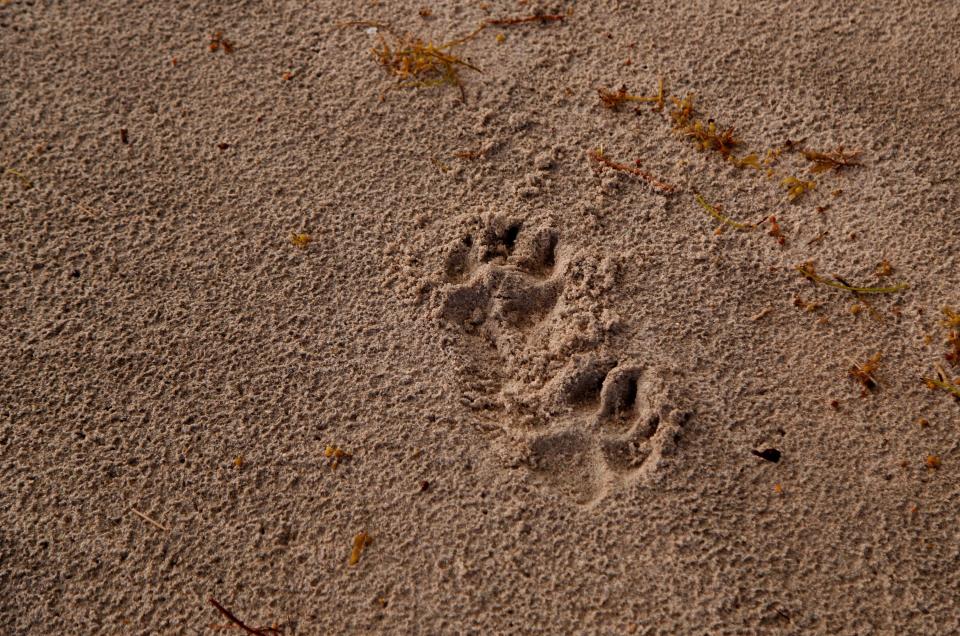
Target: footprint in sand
[587,423]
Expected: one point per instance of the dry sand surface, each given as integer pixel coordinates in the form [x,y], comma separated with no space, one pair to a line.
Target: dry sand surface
[550,391]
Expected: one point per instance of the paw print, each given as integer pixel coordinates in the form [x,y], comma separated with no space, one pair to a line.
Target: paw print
[608,425]
[504,275]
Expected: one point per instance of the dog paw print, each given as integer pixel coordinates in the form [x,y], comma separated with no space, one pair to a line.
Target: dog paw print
[606,425]
[504,274]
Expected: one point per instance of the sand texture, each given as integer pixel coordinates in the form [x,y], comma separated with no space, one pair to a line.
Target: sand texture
[259,295]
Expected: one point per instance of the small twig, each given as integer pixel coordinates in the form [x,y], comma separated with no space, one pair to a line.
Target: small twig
[149,520]
[262,631]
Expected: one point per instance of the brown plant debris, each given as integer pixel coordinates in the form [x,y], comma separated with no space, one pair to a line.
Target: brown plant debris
[863,373]
[797,187]
[952,320]
[808,270]
[943,383]
[775,231]
[255,631]
[360,541]
[883,269]
[933,461]
[471,154]
[682,111]
[335,454]
[300,239]
[715,212]
[217,42]
[419,63]
[708,136]
[613,100]
[542,18]
[600,157]
[832,160]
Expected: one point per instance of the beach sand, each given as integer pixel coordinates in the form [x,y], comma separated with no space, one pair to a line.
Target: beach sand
[258,300]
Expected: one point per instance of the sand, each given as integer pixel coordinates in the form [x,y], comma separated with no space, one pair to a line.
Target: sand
[550,377]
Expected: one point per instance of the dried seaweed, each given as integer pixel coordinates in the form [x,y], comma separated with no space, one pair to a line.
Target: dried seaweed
[300,239]
[797,187]
[714,211]
[601,158]
[808,270]
[613,100]
[360,541]
[833,160]
[863,373]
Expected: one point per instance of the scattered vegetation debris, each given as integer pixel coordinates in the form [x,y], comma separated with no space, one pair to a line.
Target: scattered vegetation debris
[923,422]
[155,524]
[24,181]
[501,38]
[425,12]
[418,63]
[797,187]
[301,239]
[442,167]
[750,161]
[714,211]
[953,356]
[856,309]
[777,488]
[255,631]
[863,373]
[613,100]
[808,306]
[832,160]
[943,383]
[217,42]
[682,111]
[600,157]
[933,461]
[836,192]
[760,314]
[286,76]
[124,137]
[775,231]
[708,136]
[360,541]
[238,461]
[883,269]
[335,454]
[769,454]
[952,320]
[809,271]
[952,323]
[471,154]
[542,18]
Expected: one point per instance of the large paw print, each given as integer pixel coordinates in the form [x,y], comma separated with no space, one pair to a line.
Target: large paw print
[503,275]
[606,425]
